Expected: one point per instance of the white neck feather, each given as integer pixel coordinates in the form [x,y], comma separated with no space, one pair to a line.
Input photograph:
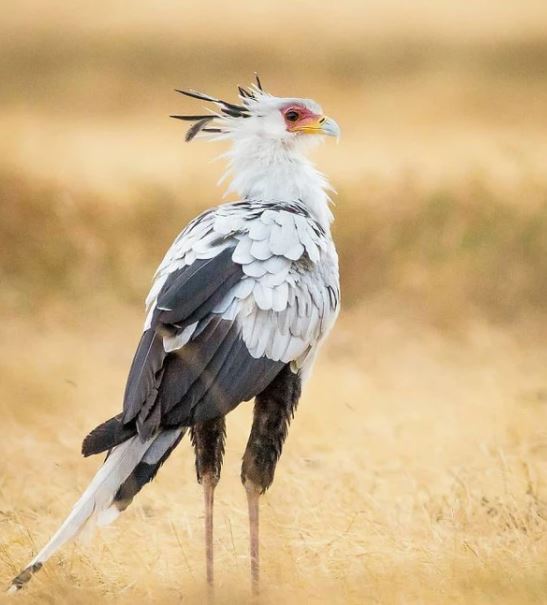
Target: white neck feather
[273,171]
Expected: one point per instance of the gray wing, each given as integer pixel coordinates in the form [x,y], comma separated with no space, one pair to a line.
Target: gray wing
[243,291]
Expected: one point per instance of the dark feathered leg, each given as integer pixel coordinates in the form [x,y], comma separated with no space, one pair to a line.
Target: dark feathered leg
[273,410]
[208,439]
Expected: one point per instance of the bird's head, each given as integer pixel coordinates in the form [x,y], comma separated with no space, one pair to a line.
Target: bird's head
[289,121]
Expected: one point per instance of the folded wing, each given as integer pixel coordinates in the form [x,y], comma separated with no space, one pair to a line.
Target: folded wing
[243,291]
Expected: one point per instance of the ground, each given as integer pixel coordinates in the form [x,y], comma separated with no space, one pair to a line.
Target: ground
[413,471]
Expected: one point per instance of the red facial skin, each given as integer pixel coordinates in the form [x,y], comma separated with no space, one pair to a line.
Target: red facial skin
[305,116]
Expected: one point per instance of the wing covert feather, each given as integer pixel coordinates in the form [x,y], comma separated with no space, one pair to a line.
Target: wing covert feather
[244,289]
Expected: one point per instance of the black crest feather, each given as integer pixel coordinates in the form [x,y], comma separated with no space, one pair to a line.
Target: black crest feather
[226,108]
[195,128]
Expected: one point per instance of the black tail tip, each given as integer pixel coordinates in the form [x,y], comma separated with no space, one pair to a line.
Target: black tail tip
[24,577]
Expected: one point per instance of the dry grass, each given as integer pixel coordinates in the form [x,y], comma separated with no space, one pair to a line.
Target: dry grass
[414,470]
[413,473]
[452,251]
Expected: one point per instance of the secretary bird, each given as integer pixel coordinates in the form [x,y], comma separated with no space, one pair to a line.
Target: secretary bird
[237,310]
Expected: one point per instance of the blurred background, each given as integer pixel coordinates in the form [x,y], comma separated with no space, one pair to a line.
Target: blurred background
[423,429]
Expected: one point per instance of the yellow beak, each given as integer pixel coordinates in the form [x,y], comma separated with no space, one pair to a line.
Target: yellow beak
[322,125]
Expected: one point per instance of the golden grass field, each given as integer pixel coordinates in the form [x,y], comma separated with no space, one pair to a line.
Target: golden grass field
[415,469]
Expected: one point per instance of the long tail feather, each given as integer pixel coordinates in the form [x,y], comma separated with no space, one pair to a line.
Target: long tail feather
[100,495]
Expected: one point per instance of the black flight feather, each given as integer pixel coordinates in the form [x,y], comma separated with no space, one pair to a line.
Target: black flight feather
[188,288]
[188,372]
[141,382]
[107,435]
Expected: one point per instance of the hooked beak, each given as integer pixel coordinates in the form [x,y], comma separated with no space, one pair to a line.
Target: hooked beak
[329,127]
[320,125]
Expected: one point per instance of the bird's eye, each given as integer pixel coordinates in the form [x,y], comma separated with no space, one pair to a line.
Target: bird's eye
[292,115]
